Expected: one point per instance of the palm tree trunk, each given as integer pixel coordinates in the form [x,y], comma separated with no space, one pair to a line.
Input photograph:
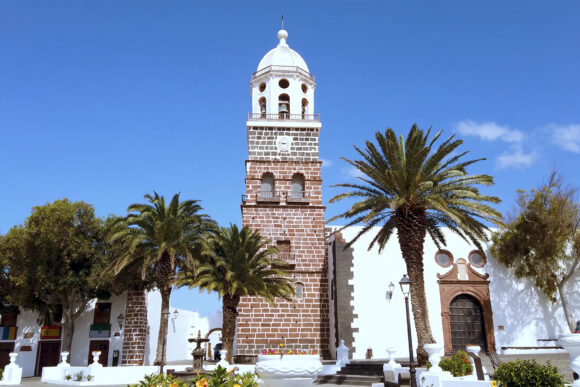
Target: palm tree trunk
[411,231]
[230,314]
[160,357]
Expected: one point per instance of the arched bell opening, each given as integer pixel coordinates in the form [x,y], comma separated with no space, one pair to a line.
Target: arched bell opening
[284,106]
[262,103]
[297,188]
[304,107]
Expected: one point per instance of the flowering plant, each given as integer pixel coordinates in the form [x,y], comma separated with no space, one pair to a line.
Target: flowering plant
[458,364]
[280,351]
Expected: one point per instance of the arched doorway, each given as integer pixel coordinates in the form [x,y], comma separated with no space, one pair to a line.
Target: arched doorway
[466,318]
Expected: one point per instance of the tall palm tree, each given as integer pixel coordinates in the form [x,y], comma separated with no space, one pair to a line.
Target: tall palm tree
[415,188]
[238,263]
[157,239]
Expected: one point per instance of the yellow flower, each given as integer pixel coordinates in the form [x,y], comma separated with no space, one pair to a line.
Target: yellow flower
[237,385]
[231,370]
[173,384]
[281,345]
[201,383]
[493,383]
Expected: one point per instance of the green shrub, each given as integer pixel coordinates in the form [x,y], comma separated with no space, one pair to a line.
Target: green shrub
[527,373]
[1,373]
[222,378]
[458,364]
[160,381]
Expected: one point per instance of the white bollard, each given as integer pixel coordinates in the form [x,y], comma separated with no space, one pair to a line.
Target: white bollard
[342,357]
[223,362]
[12,372]
[63,358]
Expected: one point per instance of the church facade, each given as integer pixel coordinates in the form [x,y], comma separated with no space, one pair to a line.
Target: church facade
[344,294]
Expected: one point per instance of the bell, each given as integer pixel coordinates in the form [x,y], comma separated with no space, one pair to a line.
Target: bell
[263,109]
[284,108]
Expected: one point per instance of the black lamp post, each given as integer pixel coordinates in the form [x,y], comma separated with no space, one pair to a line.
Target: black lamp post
[405,283]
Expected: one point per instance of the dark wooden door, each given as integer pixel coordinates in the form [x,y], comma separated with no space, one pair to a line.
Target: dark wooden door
[99,345]
[48,355]
[5,349]
[466,320]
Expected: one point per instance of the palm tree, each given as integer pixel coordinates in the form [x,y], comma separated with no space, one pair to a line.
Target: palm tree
[414,188]
[238,263]
[158,239]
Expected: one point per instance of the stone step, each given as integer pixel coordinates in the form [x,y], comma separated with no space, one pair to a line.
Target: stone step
[351,380]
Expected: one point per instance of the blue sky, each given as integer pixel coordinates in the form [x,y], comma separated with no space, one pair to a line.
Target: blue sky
[104,101]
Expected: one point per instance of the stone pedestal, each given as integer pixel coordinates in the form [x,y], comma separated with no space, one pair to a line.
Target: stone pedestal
[571,343]
[434,351]
[12,373]
[288,370]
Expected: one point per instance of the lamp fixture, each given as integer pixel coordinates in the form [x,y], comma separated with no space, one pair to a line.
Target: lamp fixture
[405,283]
[175,314]
[390,291]
[120,319]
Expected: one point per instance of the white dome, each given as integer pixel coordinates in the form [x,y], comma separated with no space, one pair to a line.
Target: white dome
[282,55]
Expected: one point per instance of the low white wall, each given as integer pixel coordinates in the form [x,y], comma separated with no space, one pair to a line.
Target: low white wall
[525,314]
[27,325]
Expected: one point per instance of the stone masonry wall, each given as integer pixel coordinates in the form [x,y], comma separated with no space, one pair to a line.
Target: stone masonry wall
[135,329]
[262,144]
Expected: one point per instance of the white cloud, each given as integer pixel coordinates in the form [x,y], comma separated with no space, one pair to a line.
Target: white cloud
[326,163]
[351,172]
[489,131]
[566,137]
[516,158]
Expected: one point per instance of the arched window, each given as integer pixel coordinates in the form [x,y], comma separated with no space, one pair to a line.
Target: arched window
[262,103]
[299,291]
[267,189]
[304,108]
[284,105]
[297,189]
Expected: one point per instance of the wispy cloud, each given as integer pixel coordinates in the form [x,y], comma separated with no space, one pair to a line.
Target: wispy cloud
[326,163]
[566,137]
[516,158]
[351,172]
[489,131]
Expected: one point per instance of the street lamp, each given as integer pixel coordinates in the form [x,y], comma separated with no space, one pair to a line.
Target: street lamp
[120,319]
[390,291]
[405,283]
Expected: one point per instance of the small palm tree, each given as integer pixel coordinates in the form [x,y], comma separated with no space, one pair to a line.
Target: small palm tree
[156,240]
[414,188]
[237,263]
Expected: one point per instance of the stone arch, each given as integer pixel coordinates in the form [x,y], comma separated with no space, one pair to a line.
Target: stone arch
[475,285]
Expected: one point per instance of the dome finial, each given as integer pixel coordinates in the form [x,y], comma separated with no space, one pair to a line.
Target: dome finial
[282,34]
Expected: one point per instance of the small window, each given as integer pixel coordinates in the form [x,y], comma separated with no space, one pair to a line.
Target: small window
[444,258]
[262,87]
[304,88]
[299,291]
[477,259]
[284,83]
[267,188]
[102,313]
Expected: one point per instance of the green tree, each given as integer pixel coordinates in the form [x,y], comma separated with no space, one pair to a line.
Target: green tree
[415,188]
[238,263]
[156,240]
[55,262]
[542,240]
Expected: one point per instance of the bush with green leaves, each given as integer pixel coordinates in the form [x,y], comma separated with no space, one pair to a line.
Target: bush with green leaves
[526,373]
[224,378]
[160,380]
[1,373]
[458,364]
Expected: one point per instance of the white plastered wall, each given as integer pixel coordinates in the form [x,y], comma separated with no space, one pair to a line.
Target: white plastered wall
[524,313]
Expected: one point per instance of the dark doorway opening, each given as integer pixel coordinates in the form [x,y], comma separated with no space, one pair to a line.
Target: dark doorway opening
[48,355]
[466,320]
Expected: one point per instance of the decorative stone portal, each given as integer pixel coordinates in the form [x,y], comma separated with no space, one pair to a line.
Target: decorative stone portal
[466,308]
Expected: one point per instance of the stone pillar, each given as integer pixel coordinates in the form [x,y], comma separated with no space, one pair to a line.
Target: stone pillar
[135,329]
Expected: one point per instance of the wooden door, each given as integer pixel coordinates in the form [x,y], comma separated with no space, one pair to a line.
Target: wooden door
[48,355]
[466,320]
[5,349]
[99,345]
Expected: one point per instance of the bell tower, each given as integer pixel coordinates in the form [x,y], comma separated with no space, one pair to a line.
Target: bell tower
[283,201]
